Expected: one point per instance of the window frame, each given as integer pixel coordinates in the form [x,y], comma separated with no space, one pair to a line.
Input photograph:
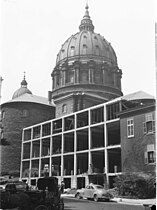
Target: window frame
[150,149]
[149,117]
[64,108]
[130,128]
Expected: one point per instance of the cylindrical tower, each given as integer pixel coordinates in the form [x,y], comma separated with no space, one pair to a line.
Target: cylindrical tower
[22,111]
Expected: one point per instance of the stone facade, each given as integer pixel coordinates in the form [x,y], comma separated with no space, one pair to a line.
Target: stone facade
[86,66]
[16,116]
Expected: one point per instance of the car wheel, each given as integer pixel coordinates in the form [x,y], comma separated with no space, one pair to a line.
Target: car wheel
[78,196]
[96,198]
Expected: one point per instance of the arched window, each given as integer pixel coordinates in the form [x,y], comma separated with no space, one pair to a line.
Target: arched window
[84,49]
[98,77]
[72,52]
[84,76]
[70,77]
[97,50]
[3,114]
[64,108]
[25,113]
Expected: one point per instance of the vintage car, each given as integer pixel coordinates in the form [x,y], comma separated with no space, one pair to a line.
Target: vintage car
[94,191]
[47,196]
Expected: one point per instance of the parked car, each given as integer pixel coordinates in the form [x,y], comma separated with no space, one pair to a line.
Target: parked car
[3,184]
[95,192]
[19,185]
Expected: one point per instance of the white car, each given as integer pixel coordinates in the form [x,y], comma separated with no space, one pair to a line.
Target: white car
[94,191]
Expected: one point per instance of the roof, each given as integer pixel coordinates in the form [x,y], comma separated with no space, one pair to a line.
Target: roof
[137,96]
[32,99]
[21,91]
[86,45]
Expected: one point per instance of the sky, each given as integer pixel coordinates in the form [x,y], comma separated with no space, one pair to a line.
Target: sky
[33,31]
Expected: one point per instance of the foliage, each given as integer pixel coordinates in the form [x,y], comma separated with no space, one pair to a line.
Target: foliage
[136,185]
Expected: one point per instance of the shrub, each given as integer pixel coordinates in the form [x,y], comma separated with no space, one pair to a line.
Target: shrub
[135,185]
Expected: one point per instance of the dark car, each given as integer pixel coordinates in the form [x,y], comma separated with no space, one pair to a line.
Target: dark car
[16,186]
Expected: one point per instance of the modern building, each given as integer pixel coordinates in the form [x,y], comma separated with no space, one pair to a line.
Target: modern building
[91,145]
[23,110]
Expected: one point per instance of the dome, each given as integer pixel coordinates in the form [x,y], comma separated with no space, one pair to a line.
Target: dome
[86,44]
[86,71]
[22,90]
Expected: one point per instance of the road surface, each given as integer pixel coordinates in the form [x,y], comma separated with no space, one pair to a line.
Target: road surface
[75,204]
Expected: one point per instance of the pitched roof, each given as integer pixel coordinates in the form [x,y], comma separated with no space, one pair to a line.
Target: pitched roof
[137,95]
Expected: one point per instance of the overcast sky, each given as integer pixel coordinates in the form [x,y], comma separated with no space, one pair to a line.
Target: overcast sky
[34,30]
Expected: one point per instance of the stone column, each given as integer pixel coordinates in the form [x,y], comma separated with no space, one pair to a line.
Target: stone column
[76,67]
[105,74]
[119,76]
[91,71]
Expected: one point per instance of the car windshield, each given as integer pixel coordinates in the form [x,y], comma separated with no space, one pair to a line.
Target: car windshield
[99,187]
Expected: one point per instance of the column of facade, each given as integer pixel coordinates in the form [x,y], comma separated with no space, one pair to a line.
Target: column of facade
[51,151]
[55,81]
[105,74]
[91,66]
[89,143]
[119,76]
[21,166]
[91,75]
[62,151]
[105,143]
[75,149]
[76,67]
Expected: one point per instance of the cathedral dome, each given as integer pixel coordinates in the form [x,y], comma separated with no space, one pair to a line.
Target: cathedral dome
[86,44]
[22,90]
[86,71]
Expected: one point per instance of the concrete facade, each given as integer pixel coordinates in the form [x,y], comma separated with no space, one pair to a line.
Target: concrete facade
[78,148]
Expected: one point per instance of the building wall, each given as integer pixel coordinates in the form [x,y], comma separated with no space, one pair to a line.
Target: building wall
[16,116]
[134,148]
[69,107]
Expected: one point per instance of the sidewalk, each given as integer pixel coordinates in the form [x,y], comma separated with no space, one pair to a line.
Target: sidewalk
[125,200]
[136,201]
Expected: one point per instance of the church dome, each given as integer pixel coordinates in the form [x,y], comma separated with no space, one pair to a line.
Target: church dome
[86,70]
[22,90]
[86,44]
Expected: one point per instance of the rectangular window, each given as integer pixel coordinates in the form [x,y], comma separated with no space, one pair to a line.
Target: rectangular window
[149,155]
[130,127]
[149,124]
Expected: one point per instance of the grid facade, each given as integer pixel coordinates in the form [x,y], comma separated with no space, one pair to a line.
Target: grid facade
[78,148]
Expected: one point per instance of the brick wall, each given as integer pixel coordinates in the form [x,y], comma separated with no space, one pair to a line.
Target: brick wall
[132,149]
[13,124]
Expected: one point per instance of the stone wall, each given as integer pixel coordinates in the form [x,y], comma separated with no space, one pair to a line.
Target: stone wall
[17,116]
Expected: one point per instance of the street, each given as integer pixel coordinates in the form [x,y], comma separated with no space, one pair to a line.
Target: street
[75,204]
